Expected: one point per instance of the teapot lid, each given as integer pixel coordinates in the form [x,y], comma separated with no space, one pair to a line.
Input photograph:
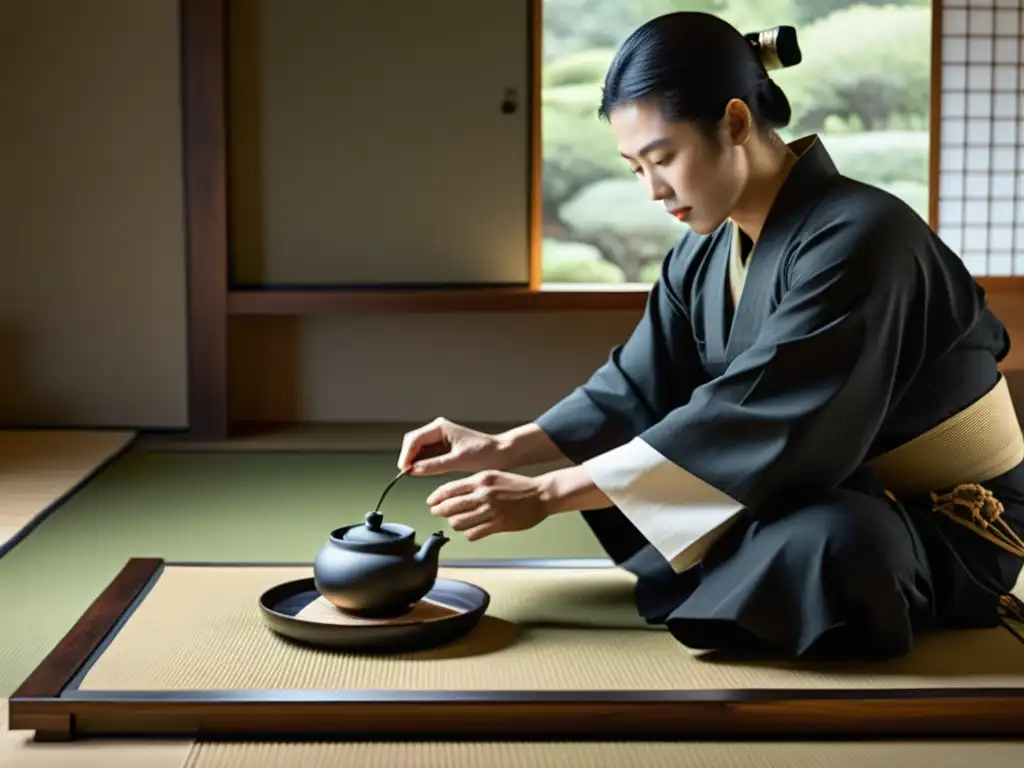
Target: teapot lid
[374,531]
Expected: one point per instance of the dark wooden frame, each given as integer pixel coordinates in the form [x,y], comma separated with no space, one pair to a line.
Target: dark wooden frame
[204,39]
[50,704]
[204,124]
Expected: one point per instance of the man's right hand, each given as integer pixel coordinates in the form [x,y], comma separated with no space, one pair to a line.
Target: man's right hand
[443,446]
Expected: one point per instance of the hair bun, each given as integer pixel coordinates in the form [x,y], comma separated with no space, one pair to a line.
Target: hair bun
[777,47]
[773,104]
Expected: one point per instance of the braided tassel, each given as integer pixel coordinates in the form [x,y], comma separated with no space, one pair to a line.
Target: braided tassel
[975,508]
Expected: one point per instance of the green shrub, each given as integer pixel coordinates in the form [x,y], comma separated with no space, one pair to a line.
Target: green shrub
[577,151]
[557,251]
[806,11]
[629,229]
[880,157]
[868,62]
[581,68]
[577,100]
[569,269]
[650,272]
[622,210]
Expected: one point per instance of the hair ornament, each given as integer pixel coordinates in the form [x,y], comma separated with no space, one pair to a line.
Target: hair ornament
[777,47]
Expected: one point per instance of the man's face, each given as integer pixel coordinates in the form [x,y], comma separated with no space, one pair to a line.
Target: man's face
[698,179]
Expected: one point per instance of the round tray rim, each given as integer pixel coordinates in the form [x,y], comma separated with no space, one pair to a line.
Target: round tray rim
[307,584]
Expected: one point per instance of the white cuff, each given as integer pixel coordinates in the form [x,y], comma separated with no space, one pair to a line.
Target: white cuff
[680,514]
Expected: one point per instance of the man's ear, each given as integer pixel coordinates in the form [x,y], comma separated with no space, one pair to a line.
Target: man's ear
[738,122]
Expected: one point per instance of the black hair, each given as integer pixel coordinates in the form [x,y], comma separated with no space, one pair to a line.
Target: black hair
[691,64]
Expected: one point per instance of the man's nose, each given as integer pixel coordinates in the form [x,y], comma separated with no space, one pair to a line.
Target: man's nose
[658,190]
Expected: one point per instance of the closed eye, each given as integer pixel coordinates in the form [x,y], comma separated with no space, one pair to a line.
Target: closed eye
[661,161]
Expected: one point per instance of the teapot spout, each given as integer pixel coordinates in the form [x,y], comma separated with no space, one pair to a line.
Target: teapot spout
[429,551]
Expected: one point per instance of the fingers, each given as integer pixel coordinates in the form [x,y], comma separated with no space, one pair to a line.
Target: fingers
[468,505]
[436,465]
[451,490]
[472,519]
[413,441]
[482,531]
[482,482]
[458,505]
[427,440]
[465,503]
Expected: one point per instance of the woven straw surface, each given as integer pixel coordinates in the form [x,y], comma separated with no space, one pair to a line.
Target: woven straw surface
[200,628]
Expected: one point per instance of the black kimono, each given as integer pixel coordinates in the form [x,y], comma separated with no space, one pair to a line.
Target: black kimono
[735,444]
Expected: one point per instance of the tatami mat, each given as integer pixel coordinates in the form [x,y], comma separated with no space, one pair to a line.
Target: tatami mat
[38,467]
[546,629]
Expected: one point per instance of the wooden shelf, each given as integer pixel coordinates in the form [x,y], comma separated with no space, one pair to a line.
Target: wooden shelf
[477,299]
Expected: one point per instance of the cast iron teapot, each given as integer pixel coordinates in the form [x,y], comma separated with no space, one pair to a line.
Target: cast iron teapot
[375,568]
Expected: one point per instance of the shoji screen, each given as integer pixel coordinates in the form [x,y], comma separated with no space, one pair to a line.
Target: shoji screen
[981,184]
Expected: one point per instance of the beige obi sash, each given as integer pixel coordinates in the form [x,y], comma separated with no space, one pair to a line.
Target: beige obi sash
[980,442]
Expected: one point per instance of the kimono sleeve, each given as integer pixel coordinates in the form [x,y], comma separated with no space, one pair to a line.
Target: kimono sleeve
[643,379]
[794,414]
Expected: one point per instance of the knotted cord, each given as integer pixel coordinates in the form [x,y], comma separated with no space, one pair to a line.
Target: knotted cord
[977,509]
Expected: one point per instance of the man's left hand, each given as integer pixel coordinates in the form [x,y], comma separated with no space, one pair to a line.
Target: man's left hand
[490,502]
